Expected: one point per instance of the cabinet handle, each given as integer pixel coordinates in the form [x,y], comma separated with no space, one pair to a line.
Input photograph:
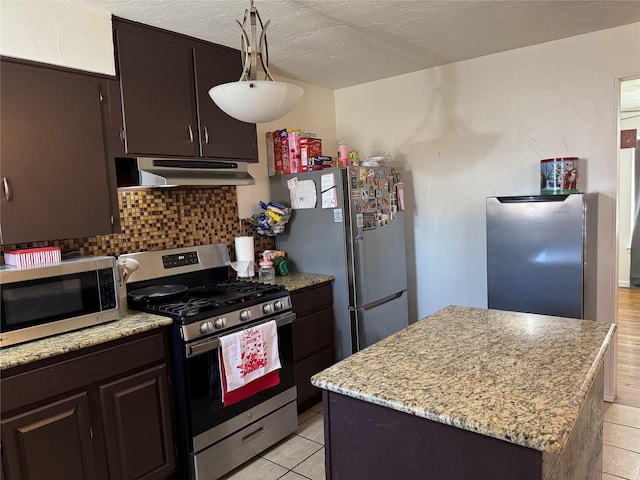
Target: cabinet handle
[206,134]
[7,188]
[190,134]
[253,435]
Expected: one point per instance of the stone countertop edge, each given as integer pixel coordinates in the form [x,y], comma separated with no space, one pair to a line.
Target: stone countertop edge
[129,324]
[471,375]
[298,280]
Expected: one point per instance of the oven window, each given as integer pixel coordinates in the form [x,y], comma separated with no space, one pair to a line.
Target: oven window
[205,395]
[35,302]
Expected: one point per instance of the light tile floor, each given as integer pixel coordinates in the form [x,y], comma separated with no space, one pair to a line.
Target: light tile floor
[301,455]
[621,451]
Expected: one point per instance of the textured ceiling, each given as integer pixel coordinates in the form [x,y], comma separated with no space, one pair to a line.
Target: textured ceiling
[339,43]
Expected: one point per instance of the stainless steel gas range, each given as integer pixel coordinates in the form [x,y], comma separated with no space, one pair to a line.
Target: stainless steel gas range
[191,285]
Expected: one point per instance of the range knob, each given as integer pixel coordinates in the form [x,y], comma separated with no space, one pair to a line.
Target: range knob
[245,315]
[278,305]
[267,308]
[206,327]
[220,322]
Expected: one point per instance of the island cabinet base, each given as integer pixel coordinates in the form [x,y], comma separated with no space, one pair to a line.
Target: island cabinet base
[363,440]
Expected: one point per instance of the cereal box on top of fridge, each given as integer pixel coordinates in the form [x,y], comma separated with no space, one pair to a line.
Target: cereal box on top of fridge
[271,162]
[277,153]
[309,147]
[294,151]
[284,150]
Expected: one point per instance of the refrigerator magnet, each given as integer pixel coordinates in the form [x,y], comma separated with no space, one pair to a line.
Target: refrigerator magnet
[337,215]
[369,221]
[359,220]
[370,174]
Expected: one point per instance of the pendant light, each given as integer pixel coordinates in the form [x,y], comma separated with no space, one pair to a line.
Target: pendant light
[249,99]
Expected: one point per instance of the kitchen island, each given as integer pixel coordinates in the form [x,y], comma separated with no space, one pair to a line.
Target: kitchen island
[470,393]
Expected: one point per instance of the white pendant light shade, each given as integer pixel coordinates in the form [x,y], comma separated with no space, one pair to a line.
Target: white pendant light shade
[256,101]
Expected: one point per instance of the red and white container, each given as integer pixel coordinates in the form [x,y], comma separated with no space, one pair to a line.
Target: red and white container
[32,256]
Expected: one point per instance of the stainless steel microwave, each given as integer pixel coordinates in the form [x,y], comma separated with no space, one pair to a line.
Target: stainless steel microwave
[40,301]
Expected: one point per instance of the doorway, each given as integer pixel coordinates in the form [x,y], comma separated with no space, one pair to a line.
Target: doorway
[628,207]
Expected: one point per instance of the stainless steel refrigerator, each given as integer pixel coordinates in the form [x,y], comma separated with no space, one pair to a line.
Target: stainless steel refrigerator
[541,254]
[349,222]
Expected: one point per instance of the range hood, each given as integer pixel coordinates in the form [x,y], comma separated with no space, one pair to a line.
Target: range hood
[165,172]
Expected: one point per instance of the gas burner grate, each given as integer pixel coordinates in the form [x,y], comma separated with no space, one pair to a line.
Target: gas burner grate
[186,308]
[245,286]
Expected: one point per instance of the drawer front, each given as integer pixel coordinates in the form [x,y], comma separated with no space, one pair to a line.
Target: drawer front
[312,299]
[46,382]
[308,367]
[312,333]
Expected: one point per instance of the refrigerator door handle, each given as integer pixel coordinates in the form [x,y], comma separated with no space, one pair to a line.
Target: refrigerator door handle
[371,305]
[355,329]
[533,198]
[355,324]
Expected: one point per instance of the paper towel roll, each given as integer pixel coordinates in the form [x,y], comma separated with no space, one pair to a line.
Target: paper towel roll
[245,253]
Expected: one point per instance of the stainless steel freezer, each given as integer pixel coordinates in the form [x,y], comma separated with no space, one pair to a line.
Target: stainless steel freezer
[355,231]
[541,254]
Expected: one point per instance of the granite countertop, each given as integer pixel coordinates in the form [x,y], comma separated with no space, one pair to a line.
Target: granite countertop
[297,280]
[513,376]
[131,323]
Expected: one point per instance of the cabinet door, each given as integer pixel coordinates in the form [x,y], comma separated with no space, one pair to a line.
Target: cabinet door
[52,441]
[312,332]
[158,95]
[137,425]
[52,156]
[221,135]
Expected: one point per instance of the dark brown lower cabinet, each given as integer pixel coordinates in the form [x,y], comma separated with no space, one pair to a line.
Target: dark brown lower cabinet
[103,413]
[365,440]
[313,342]
[51,441]
[134,411]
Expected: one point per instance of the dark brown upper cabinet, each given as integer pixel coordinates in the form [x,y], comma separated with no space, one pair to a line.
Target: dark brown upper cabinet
[55,177]
[164,81]
[221,135]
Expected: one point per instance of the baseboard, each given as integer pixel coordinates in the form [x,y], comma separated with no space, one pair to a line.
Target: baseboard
[624,283]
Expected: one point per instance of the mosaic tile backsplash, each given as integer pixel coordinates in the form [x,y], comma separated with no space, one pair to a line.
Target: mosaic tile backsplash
[157,219]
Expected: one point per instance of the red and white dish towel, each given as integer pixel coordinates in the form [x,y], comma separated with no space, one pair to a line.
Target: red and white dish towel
[249,362]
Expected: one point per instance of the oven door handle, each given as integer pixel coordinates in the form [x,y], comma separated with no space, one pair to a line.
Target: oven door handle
[212,343]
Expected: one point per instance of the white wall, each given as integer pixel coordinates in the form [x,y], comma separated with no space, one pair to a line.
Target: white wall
[625,202]
[479,128]
[60,33]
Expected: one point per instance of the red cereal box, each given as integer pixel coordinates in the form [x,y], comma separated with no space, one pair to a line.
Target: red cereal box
[284,151]
[277,153]
[309,147]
